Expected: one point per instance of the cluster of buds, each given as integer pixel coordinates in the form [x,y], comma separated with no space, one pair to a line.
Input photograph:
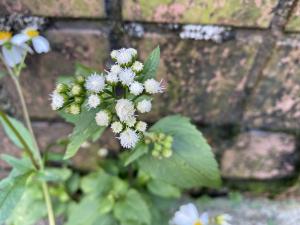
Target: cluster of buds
[16,43]
[162,144]
[118,95]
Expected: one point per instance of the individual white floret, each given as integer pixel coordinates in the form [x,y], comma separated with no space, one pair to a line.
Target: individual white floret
[132,51]
[124,57]
[112,78]
[116,127]
[95,83]
[115,69]
[141,126]
[93,101]
[144,106]
[137,67]
[57,100]
[125,109]
[128,138]
[131,122]
[152,86]
[126,76]
[114,54]
[102,118]
[136,88]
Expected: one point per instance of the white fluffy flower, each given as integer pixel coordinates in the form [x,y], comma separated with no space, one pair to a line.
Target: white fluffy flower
[114,54]
[131,122]
[152,86]
[112,78]
[124,56]
[141,126]
[40,44]
[128,138]
[189,215]
[132,51]
[93,101]
[95,83]
[116,69]
[136,88]
[125,109]
[223,219]
[137,66]
[126,76]
[144,106]
[116,127]
[102,118]
[57,100]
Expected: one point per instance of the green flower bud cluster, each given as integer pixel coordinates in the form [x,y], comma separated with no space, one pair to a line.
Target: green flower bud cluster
[162,144]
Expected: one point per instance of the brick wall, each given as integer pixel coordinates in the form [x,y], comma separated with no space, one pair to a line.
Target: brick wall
[239,79]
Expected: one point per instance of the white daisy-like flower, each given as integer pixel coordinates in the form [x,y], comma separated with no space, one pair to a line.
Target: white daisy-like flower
[5,36]
[102,118]
[93,101]
[114,54]
[116,69]
[144,106]
[112,78]
[141,126]
[152,86]
[13,55]
[136,88]
[131,122]
[125,109]
[116,127]
[124,56]
[137,67]
[223,219]
[126,76]
[189,215]
[40,44]
[57,100]
[95,83]
[128,138]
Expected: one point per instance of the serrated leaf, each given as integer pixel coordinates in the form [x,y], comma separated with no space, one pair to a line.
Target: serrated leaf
[132,209]
[136,153]
[85,128]
[11,191]
[163,189]
[151,64]
[192,163]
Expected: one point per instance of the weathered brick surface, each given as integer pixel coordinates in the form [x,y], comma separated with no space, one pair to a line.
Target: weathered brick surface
[260,155]
[201,78]
[89,47]
[275,102]
[230,12]
[58,8]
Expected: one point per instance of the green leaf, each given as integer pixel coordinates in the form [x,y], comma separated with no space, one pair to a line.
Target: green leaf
[136,153]
[163,189]
[54,174]
[151,64]
[11,191]
[192,163]
[22,131]
[85,128]
[132,209]
[23,165]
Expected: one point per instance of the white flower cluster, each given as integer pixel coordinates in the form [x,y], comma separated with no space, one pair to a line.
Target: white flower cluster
[120,94]
[15,47]
[189,215]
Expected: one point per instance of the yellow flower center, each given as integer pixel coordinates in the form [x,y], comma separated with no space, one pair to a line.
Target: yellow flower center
[32,33]
[198,222]
[5,35]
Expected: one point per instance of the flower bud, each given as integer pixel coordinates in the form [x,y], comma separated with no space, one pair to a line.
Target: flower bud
[75,109]
[79,79]
[76,90]
[167,152]
[79,100]
[61,88]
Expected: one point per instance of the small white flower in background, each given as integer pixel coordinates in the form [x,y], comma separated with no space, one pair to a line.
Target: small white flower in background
[95,83]
[40,44]
[136,88]
[124,56]
[102,152]
[223,219]
[125,109]
[116,69]
[152,86]
[131,122]
[116,127]
[57,101]
[102,118]
[128,138]
[112,78]
[126,76]
[13,55]
[189,215]
[144,106]
[141,126]
[137,67]
[93,101]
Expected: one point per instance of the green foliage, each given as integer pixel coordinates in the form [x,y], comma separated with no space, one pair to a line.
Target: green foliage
[140,150]
[163,189]
[151,64]
[192,163]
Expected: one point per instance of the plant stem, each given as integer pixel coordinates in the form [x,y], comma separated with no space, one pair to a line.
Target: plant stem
[51,217]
